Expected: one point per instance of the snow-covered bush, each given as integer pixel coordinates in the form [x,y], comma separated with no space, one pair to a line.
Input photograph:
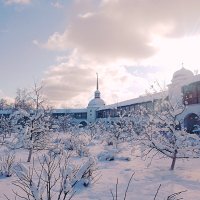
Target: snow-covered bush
[55,178]
[87,172]
[7,160]
[111,155]
[64,123]
[93,130]
[51,180]
[58,149]
[5,128]
[54,152]
[106,156]
[82,150]
[77,143]
[73,142]
[118,131]
[70,143]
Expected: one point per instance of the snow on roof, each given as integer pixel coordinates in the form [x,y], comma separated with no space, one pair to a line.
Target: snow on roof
[96,102]
[5,112]
[140,99]
[193,79]
[73,110]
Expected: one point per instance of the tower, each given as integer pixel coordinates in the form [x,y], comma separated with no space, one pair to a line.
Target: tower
[95,103]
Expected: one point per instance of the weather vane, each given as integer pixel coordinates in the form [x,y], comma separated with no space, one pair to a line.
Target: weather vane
[182,64]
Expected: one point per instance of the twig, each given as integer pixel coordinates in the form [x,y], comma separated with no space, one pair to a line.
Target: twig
[157,192]
[128,186]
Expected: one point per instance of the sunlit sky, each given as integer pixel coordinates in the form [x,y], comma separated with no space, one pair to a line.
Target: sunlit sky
[131,44]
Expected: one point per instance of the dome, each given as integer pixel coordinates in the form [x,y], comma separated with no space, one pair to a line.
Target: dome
[96,102]
[182,73]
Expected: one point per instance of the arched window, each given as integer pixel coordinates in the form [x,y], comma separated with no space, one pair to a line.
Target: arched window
[190,121]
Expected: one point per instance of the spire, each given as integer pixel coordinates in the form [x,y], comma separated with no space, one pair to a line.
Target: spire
[97,82]
[97,93]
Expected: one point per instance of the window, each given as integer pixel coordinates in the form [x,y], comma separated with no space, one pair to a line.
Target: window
[80,115]
[191,93]
[137,107]
[149,105]
[132,107]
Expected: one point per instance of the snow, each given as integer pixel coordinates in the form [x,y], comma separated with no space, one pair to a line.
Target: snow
[93,161]
[145,181]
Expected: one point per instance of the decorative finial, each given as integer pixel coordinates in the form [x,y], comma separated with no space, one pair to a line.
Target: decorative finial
[97,82]
[182,64]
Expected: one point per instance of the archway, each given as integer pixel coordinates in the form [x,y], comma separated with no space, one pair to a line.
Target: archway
[82,124]
[190,120]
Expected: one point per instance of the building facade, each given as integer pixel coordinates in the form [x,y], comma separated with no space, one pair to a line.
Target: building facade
[184,88]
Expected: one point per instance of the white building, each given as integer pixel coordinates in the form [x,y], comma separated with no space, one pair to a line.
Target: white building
[184,87]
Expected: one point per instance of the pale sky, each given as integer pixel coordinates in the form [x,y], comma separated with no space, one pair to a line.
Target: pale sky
[130,43]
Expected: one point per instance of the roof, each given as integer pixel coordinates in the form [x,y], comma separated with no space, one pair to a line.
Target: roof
[6,112]
[68,111]
[141,99]
[182,72]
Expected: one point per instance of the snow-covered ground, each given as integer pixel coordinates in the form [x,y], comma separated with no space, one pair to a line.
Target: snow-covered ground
[144,184]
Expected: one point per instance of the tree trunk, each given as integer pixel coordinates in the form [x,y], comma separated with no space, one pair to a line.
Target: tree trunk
[30,154]
[173,160]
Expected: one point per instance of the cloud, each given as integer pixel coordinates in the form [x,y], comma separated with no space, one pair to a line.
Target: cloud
[57,4]
[55,42]
[9,2]
[60,59]
[115,29]
[72,83]
[114,38]
[68,81]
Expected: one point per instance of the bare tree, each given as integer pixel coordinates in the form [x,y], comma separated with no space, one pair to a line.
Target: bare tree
[23,100]
[31,123]
[37,97]
[37,133]
[4,104]
[164,135]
